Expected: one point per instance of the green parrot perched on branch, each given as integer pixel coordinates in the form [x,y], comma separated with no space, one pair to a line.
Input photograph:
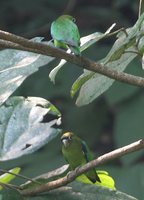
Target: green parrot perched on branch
[77,153]
[65,33]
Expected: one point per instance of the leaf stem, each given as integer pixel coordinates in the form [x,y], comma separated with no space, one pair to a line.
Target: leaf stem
[20,176]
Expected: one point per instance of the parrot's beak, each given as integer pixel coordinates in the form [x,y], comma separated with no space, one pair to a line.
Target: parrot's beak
[65,142]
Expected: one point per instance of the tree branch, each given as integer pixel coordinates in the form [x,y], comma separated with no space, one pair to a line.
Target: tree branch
[8,40]
[80,170]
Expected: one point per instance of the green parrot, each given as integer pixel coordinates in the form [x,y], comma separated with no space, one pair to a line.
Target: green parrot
[77,153]
[65,33]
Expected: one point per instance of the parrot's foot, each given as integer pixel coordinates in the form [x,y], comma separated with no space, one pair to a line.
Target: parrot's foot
[77,169]
[71,174]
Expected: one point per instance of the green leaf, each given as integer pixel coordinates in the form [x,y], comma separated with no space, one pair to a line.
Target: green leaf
[26,124]
[16,66]
[118,59]
[54,71]
[80,81]
[106,180]
[6,177]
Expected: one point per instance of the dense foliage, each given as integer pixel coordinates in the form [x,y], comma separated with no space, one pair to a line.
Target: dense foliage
[109,121]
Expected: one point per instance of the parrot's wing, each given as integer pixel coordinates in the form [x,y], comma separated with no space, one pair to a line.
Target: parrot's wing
[89,156]
[87,153]
[66,32]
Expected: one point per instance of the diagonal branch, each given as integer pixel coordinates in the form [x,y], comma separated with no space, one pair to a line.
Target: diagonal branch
[8,40]
[72,176]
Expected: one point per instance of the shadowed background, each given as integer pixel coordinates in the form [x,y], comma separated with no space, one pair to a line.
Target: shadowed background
[111,121]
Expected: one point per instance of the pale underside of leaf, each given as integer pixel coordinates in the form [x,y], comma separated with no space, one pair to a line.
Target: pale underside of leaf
[16,66]
[121,54]
[22,130]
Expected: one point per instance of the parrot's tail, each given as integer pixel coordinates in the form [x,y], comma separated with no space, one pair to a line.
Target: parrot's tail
[75,50]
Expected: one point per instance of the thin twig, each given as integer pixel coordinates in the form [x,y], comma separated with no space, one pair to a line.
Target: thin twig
[72,176]
[10,186]
[20,176]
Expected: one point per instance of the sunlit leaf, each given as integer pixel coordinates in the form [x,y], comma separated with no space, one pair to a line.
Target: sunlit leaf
[80,81]
[26,124]
[6,177]
[54,71]
[16,66]
[106,180]
[121,54]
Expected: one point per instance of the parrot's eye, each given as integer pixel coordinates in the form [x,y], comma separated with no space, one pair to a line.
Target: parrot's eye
[73,19]
[70,138]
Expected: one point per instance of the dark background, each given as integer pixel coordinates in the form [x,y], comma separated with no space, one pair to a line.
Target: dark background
[111,121]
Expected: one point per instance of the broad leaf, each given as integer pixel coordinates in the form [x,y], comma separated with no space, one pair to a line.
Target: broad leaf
[121,54]
[26,124]
[16,66]
[106,180]
[80,81]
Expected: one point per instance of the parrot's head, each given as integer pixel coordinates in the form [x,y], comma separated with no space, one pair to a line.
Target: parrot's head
[67,138]
[62,17]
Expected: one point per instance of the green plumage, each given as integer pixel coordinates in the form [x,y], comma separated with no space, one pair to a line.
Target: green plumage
[77,153]
[66,34]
